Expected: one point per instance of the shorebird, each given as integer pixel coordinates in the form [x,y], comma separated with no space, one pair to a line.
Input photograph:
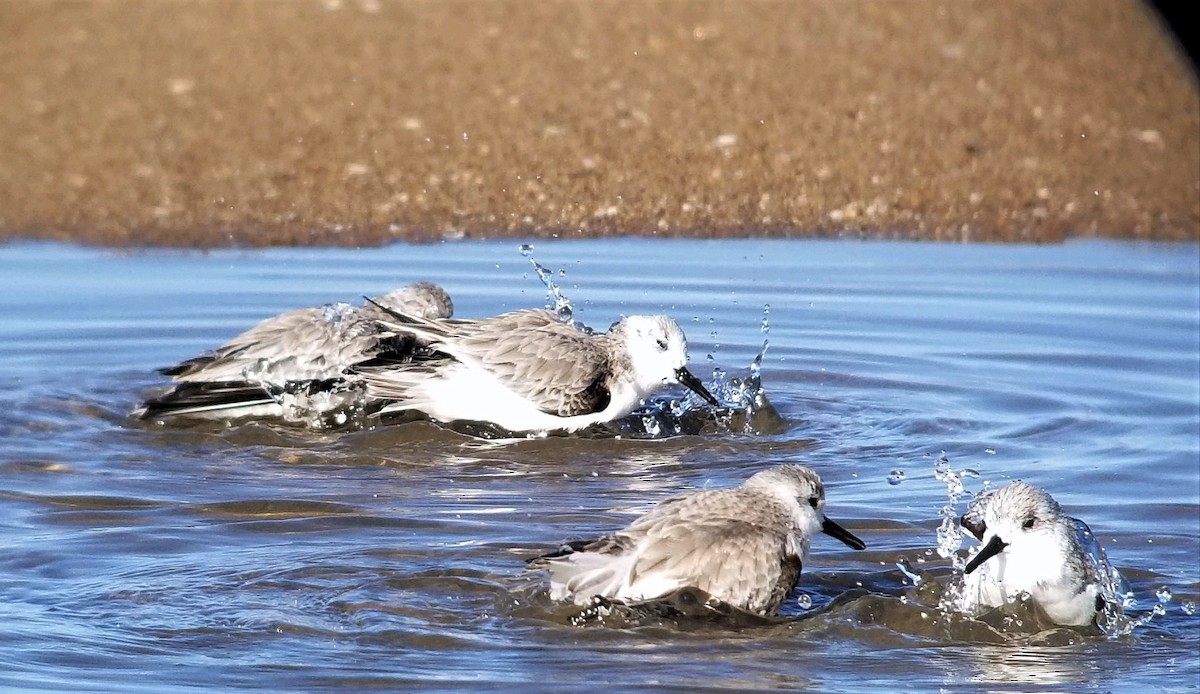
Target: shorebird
[304,352]
[743,545]
[1031,547]
[527,370]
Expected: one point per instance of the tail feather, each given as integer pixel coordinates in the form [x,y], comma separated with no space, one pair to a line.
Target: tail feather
[423,328]
[230,398]
[581,570]
[199,397]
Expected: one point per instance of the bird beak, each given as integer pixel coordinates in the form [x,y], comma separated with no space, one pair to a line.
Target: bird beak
[686,378]
[834,530]
[991,549]
[975,527]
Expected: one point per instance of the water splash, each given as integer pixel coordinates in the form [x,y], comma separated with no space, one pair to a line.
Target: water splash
[949,533]
[910,573]
[1113,588]
[744,406]
[1114,620]
[325,400]
[556,300]
[742,396]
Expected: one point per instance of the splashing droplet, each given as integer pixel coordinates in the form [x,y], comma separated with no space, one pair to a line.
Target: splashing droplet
[908,571]
[804,601]
[1163,594]
[555,299]
[895,477]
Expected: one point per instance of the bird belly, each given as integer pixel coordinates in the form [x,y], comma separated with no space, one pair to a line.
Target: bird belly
[460,392]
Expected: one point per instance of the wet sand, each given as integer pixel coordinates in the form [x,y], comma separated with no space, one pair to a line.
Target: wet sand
[347,122]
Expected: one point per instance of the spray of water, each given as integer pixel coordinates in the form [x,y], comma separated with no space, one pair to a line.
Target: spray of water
[1115,620]
[556,300]
[742,396]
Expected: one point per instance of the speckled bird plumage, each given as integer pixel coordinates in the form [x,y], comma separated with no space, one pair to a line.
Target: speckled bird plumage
[528,371]
[309,348]
[744,545]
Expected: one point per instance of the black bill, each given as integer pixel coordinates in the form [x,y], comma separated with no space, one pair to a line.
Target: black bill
[686,378]
[991,549]
[834,530]
[974,525]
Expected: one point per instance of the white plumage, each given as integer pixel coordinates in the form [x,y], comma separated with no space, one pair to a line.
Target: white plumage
[1031,547]
[528,371]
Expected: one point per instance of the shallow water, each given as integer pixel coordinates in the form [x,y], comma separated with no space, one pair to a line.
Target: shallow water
[140,557]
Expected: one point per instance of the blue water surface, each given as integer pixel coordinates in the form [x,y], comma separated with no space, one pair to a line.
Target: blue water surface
[137,557]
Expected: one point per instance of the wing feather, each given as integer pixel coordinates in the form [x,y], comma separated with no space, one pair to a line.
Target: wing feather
[731,547]
[532,353]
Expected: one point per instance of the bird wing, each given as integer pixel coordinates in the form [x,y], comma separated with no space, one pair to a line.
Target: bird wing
[732,556]
[303,344]
[730,547]
[532,353]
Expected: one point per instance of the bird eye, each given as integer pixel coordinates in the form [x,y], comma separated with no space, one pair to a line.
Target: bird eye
[1029,522]
[662,344]
[813,501]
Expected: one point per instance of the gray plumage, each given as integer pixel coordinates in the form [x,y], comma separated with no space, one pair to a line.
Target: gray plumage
[744,545]
[529,371]
[307,351]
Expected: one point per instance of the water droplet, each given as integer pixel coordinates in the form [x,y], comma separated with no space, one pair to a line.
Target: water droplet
[895,477]
[908,572]
[804,601]
[1163,594]
[526,249]
[1189,607]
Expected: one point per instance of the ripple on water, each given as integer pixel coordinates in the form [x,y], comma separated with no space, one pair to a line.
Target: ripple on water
[259,555]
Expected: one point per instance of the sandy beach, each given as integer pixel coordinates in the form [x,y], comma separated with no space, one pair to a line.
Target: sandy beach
[202,123]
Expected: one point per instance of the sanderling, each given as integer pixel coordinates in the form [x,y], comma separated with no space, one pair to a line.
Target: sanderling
[301,352]
[528,371]
[743,545]
[1031,547]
